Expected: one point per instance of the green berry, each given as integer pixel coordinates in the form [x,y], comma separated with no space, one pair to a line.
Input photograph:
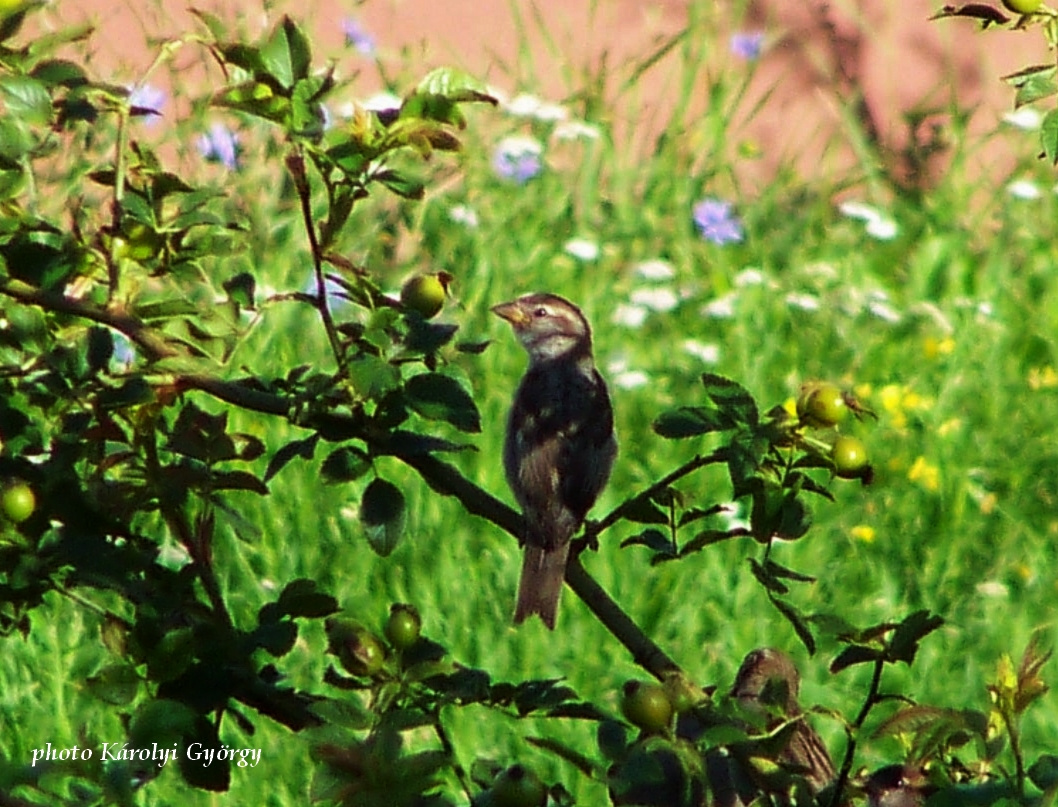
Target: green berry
[1023,6]
[646,706]
[359,652]
[849,456]
[18,502]
[425,293]
[403,626]
[821,405]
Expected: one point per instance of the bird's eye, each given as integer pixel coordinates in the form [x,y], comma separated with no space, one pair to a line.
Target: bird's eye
[540,312]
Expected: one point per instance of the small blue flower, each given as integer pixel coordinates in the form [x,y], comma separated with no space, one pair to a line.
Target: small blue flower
[149,100]
[357,37]
[717,223]
[517,159]
[220,145]
[747,45]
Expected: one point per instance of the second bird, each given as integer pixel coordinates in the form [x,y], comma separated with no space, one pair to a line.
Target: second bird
[560,443]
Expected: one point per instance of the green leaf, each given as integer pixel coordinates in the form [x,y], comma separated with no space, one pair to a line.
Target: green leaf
[732,399]
[854,654]
[303,598]
[383,515]
[709,537]
[26,98]
[373,377]
[797,621]
[1049,136]
[454,85]
[1044,772]
[305,449]
[440,397]
[344,465]
[116,684]
[687,421]
[651,538]
[400,184]
[286,55]
[277,638]
[60,72]
[915,627]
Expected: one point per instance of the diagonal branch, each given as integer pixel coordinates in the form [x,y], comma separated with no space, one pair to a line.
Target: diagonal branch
[438,474]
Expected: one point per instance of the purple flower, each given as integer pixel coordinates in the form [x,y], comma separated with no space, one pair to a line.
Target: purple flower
[517,159]
[717,223]
[220,145]
[357,37]
[149,100]
[747,45]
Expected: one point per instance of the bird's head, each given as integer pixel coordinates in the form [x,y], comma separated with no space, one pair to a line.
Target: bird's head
[548,326]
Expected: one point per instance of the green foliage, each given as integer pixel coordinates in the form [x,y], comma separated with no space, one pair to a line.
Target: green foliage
[163,405]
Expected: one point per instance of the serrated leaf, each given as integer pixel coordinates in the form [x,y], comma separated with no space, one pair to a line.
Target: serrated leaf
[404,186]
[440,397]
[305,449]
[797,621]
[277,638]
[687,421]
[286,55]
[642,510]
[238,480]
[60,72]
[1044,772]
[852,655]
[1049,136]
[373,377]
[383,515]
[302,598]
[904,644]
[652,538]
[709,537]
[116,684]
[26,98]
[733,400]
[345,464]
[584,764]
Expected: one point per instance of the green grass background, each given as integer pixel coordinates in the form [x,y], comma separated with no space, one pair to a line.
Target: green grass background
[962,382]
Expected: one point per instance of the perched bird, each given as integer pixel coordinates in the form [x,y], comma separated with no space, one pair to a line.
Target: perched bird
[898,786]
[560,443]
[768,682]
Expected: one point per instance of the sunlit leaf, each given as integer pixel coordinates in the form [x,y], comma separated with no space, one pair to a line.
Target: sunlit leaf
[383,515]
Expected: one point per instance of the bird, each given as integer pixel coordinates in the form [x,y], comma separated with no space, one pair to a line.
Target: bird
[898,786]
[768,683]
[559,446]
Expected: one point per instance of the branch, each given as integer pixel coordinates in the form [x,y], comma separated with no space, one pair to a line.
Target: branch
[439,475]
[446,480]
[687,468]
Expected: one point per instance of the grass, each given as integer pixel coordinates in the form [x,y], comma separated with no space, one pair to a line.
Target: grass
[946,330]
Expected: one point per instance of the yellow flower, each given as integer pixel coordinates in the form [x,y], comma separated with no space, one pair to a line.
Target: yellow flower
[926,474]
[1043,378]
[933,347]
[987,503]
[949,426]
[862,532]
[790,405]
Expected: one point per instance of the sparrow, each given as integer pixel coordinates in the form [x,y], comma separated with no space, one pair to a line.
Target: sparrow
[898,786]
[768,683]
[559,446]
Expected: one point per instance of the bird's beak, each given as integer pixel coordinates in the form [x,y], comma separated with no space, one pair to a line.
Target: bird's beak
[513,313]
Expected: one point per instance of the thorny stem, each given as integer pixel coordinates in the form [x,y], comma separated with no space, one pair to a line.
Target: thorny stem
[296,166]
[869,703]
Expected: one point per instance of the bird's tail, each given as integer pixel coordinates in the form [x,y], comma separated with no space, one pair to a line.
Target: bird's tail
[540,586]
